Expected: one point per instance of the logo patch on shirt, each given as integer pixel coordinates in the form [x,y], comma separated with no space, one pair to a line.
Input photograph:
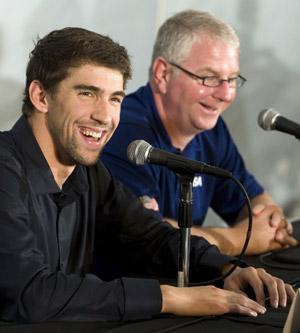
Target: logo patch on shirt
[197,181]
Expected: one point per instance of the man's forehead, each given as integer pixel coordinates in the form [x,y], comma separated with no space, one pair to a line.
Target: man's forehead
[96,75]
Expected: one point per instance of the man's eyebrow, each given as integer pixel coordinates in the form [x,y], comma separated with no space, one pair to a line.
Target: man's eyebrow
[97,89]
[119,93]
[86,86]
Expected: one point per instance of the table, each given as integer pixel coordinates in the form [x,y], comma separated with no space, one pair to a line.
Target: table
[271,322]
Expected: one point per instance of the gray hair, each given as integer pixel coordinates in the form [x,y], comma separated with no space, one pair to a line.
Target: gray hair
[178,33]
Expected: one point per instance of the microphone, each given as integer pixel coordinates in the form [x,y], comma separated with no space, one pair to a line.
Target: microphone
[141,152]
[270,119]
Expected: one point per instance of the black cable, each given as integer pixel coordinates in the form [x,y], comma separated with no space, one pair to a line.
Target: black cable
[290,266]
[248,234]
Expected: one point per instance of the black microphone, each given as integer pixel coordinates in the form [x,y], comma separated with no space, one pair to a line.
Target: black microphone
[270,119]
[141,152]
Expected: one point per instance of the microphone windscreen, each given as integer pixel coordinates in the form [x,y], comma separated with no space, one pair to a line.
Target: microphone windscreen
[266,119]
[137,151]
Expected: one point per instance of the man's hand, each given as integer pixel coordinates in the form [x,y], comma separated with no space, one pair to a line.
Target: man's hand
[284,229]
[149,203]
[262,283]
[207,300]
[269,230]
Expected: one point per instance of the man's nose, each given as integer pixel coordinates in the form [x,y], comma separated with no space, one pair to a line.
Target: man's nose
[224,92]
[102,111]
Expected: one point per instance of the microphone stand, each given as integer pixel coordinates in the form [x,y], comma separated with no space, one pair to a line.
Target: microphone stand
[184,224]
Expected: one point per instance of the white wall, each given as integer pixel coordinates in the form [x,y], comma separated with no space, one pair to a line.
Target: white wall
[270,55]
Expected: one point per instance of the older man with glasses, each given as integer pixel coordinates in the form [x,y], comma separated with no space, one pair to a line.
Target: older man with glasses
[194,78]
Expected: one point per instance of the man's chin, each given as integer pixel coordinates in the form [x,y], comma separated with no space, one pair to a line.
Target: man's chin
[90,161]
[87,159]
[208,125]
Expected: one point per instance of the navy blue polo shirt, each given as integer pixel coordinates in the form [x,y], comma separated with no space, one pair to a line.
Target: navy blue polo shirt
[140,120]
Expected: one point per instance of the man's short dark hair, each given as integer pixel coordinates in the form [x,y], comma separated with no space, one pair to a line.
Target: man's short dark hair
[60,50]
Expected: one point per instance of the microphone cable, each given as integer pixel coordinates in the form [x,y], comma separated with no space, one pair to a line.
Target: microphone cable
[247,239]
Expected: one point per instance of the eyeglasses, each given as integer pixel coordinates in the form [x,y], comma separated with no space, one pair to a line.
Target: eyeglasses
[213,81]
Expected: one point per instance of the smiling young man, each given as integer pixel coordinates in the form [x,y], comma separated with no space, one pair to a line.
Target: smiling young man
[194,78]
[60,208]
[84,114]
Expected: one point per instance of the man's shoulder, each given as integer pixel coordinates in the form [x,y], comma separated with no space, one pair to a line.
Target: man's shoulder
[139,118]
[138,106]
[10,156]
[8,148]
[142,97]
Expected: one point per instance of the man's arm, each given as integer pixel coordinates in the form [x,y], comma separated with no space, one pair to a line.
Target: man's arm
[209,300]
[270,230]
[33,285]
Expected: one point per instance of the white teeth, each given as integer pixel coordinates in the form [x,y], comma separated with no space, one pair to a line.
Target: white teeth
[96,135]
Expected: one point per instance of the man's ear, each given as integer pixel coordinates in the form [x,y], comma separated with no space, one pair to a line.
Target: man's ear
[37,96]
[160,74]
